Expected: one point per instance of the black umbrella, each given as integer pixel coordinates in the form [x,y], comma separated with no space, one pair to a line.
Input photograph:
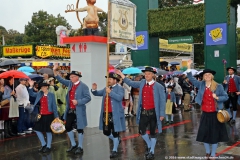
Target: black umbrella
[9,62]
[163,63]
[46,70]
[174,63]
[161,72]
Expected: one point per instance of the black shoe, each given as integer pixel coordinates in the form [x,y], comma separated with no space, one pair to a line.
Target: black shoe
[113,154]
[167,123]
[79,150]
[46,149]
[72,148]
[147,151]
[233,121]
[42,148]
[171,122]
[150,156]
[230,120]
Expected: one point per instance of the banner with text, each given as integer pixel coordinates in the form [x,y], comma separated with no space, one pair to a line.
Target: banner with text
[47,51]
[16,51]
[184,47]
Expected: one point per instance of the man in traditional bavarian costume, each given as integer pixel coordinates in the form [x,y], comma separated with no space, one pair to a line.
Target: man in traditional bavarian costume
[116,118]
[231,85]
[210,94]
[77,97]
[151,107]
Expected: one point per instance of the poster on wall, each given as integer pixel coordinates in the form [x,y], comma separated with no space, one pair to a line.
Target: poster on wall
[216,34]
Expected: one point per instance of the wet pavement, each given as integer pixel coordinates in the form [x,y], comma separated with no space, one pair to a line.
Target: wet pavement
[178,141]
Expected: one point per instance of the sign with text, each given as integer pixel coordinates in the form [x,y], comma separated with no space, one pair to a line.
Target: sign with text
[185,39]
[47,51]
[216,34]
[17,51]
[184,47]
[122,22]
[39,63]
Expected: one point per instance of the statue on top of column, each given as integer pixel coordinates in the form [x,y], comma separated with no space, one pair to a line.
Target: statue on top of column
[90,23]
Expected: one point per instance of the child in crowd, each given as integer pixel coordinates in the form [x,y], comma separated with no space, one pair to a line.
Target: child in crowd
[170,105]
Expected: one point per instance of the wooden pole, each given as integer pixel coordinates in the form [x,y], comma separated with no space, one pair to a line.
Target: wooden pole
[107,72]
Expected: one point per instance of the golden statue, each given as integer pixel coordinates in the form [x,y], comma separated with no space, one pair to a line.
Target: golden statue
[90,22]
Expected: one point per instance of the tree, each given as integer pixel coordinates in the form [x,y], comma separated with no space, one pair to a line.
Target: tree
[42,28]
[173,3]
[3,32]
[238,42]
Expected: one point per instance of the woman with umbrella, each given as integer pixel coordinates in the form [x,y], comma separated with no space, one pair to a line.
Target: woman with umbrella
[48,110]
[9,92]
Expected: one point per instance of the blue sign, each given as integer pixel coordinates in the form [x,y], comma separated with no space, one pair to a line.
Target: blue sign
[142,40]
[216,34]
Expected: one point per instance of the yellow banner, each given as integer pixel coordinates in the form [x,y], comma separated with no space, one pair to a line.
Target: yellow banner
[17,51]
[184,47]
[47,51]
[43,51]
[40,63]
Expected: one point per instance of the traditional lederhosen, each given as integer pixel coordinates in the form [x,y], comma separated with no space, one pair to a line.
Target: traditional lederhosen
[71,115]
[148,115]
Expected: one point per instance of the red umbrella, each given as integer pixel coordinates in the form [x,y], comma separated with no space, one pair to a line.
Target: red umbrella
[14,74]
[111,68]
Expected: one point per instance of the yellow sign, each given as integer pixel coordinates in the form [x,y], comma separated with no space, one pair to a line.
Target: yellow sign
[40,63]
[43,51]
[184,47]
[47,51]
[17,51]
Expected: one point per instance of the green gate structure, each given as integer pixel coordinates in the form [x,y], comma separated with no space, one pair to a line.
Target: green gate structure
[190,20]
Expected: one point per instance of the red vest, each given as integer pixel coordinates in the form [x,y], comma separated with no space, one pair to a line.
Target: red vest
[232,86]
[72,95]
[44,106]
[208,102]
[148,97]
[169,96]
[109,104]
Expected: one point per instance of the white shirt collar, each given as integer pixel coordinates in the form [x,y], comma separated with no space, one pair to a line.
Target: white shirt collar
[231,75]
[114,85]
[76,83]
[151,82]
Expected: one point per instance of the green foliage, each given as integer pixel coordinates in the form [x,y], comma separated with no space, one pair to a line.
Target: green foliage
[180,19]
[42,28]
[173,3]
[238,42]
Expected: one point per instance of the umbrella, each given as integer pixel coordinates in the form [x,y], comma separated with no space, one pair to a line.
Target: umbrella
[131,70]
[199,72]
[111,68]
[36,77]
[27,73]
[163,63]
[177,72]
[46,70]
[14,74]
[174,63]
[161,72]
[9,62]
[191,70]
[26,69]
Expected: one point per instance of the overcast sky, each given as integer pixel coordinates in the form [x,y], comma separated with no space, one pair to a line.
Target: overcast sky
[15,14]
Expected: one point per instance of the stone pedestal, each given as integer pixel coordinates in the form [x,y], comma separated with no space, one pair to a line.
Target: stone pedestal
[89,56]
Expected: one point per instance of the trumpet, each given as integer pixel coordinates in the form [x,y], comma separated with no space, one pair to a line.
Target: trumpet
[70,8]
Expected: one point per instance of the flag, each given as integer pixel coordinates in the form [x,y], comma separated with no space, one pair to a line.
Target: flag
[198,1]
[3,40]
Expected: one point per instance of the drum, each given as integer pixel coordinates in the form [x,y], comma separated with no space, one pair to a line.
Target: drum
[223,116]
